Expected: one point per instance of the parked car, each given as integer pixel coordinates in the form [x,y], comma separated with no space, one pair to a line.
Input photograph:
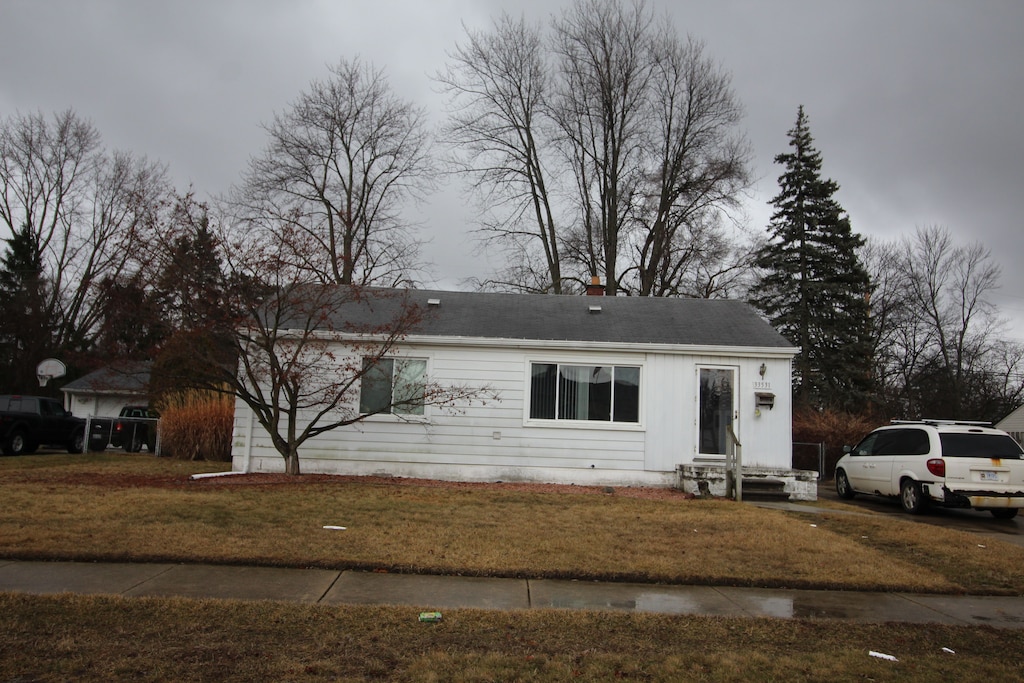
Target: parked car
[135,427]
[28,422]
[940,462]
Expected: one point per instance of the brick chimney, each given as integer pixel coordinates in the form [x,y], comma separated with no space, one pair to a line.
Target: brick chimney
[595,288]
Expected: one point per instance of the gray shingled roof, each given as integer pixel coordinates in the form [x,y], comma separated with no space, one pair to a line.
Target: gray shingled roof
[124,377]
[621,320]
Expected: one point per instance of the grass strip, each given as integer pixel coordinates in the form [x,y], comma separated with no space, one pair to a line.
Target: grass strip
[146,639]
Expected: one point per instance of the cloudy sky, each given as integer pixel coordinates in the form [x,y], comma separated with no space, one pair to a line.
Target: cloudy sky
[916,105]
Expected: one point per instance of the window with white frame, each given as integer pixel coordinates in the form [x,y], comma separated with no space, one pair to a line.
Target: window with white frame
[392,385]
[600,393]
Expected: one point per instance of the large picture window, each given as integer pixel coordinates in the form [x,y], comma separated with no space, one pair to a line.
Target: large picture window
[392,385]
[601,393]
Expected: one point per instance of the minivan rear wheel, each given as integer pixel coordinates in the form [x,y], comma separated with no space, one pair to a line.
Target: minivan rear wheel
[1004,513]
[911,497]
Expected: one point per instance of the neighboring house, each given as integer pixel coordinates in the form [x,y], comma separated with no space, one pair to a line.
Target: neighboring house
[104,392]
[1013,424]
[592,390]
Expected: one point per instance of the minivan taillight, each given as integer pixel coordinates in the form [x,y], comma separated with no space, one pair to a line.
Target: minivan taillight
[937,466]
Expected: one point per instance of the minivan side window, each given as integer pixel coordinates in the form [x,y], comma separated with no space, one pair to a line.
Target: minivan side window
[894,442]
[889,442]
[904,442]
[866,446]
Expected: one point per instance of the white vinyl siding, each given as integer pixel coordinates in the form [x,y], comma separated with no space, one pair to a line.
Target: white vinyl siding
[497,439]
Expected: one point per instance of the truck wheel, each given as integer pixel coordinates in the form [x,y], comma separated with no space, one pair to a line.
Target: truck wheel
[133,444]
[77,443]
[16,443]
[912,497]
[1003,513]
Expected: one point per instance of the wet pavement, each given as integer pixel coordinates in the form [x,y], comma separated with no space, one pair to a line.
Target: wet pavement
[331,587]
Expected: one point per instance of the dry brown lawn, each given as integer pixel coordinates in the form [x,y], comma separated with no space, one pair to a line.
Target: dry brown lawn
[136,507]
[112,639]
[140,508]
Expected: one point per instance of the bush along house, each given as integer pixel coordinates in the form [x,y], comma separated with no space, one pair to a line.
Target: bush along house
[591,390]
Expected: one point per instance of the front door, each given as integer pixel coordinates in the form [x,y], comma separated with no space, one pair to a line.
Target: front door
[716,411]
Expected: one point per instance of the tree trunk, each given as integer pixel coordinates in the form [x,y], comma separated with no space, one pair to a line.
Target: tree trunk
[292,463]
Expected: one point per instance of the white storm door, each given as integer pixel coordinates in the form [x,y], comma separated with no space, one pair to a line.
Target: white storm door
[716,411]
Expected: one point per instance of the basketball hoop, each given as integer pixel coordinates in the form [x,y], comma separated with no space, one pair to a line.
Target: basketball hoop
[49,369]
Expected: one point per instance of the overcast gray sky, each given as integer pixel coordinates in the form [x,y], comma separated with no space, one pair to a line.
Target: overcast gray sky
[915,105]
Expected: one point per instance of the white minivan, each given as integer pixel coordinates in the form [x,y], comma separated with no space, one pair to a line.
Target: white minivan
[942,462]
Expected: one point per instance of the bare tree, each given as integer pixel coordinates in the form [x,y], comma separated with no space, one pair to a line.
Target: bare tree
[937,341]
[609,150]
[498,84]
[340,163]
[606,66]
[949,286]
[708,264]
[896,343]
[84,209]
[301,354]
[697,167]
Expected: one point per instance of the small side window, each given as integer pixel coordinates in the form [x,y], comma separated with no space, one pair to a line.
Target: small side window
[918,442]
[866,446]
[902,442]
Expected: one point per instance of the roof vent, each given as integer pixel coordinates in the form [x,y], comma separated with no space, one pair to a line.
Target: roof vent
[433,302]
[595,309]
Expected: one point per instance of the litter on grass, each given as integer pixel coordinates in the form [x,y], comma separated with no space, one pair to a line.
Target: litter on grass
[882,655]
[334,528]
[948,651]
[431,617]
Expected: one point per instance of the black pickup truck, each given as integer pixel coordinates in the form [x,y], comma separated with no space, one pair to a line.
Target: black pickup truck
[134,427]
[28,422]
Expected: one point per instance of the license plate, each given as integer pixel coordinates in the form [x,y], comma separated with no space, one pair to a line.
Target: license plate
[989,476]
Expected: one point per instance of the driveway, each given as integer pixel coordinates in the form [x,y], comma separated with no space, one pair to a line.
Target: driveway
[971,521]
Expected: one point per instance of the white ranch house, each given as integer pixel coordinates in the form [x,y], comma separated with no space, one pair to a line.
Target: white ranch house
[592,391]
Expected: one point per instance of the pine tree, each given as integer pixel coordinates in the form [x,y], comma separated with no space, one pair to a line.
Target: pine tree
[814,288]
[192,288]
[25,336]
[191,283]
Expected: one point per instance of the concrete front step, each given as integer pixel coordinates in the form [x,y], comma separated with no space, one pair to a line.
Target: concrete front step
[764,490]
[710,480]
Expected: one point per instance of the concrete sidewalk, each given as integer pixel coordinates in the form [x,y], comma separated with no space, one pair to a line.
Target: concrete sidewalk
[331,587]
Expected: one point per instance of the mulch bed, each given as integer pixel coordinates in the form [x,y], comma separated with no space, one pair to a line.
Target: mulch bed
[266,479]
[130,480]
